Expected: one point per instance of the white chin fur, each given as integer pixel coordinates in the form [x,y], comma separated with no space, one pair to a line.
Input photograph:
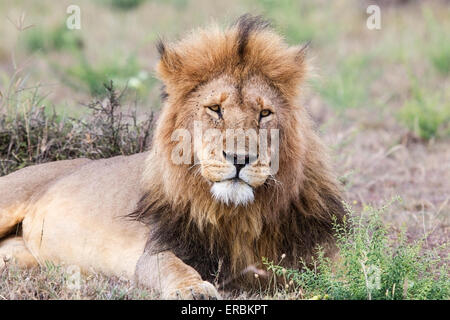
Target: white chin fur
[232,192]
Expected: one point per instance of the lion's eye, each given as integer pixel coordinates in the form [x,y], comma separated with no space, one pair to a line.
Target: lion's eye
[215,108]
[265,113]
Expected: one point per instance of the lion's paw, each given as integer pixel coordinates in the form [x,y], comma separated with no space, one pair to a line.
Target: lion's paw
[201,291]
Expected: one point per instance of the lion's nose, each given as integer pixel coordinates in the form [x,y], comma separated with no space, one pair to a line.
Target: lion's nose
[238,160]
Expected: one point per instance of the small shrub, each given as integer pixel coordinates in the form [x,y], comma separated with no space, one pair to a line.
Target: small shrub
[57,39]
[425,114]
[82,74]
[112,132]
[371,265]
[440,56]
[125,72]
[124,4]
[286,13]
[300,21]
[32,136]
[438,46]
[347,88]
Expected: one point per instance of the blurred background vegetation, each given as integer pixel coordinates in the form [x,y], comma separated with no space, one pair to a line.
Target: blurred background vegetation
[402,69]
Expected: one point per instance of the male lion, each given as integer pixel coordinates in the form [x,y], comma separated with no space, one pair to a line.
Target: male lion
[173,226]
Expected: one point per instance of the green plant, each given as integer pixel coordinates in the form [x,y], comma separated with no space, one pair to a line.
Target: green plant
[300,21]
[371,265]
[124,72]
[292,18]
[426,114]
[438,47]
[84,75]
[124,4]
[348,86]
[440,56]
[56,39]
[30,135]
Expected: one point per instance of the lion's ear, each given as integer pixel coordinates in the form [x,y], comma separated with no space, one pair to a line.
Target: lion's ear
[302,52]
[169,62]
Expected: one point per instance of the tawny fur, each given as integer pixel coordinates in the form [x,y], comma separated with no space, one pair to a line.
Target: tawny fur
[291,215]
[75,212]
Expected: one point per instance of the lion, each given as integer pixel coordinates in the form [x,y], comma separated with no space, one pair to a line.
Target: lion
[178,227]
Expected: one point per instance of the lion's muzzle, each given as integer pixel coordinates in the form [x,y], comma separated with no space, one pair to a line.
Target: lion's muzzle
[235,177]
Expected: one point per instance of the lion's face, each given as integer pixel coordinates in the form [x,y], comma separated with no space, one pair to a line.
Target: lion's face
[239,87]
[236,121]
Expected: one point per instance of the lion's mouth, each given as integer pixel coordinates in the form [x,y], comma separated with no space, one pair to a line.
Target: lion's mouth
[238,180]
[233,191]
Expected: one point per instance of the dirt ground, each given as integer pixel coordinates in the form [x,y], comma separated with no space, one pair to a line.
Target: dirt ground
[377,162]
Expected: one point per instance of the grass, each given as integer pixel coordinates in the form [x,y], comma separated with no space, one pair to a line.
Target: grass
[440,57]
[371,266]
[58,38]
[31,136]
[82,74]
[439,44]
[348,87]
[426,114]
[124,72]
[54,282]
[125,4]
[300,21]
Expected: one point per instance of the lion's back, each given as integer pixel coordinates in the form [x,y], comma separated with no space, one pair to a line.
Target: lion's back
[82,216]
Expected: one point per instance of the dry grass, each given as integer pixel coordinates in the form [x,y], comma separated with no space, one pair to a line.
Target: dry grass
[33,137]
[379,162]
[51,282]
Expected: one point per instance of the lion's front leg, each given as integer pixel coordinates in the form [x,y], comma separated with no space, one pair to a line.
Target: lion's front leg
[172,277]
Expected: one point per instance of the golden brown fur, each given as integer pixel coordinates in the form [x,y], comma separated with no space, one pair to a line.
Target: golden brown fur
[292,214]
[75,212]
